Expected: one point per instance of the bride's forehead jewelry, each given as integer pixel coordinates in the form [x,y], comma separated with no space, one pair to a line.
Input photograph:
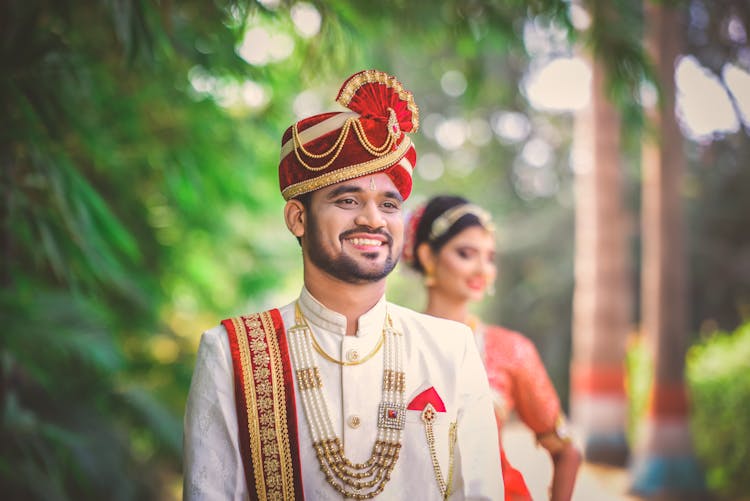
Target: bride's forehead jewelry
[448,218]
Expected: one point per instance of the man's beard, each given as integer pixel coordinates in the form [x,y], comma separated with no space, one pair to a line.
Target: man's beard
[344,267]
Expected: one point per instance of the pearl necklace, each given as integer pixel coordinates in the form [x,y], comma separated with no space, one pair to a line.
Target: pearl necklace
[352,480]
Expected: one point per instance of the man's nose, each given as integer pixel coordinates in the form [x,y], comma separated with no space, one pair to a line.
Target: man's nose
[370,216]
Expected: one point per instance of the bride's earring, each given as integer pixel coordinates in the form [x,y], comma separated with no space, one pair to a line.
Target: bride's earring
[429,277]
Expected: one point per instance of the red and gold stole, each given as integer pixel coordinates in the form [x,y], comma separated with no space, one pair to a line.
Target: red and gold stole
[266,409]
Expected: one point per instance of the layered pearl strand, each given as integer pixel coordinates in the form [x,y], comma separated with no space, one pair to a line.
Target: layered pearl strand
[352,480]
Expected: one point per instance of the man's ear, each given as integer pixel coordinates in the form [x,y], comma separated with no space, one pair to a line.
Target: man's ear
[294,216]
[426,257]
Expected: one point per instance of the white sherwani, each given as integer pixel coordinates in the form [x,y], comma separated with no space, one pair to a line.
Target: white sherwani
[438,353]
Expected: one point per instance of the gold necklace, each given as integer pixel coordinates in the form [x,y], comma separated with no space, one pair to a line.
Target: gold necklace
[301,320]
[359,481]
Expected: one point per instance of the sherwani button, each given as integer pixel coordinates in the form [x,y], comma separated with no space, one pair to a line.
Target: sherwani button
[352,355]
[354,421]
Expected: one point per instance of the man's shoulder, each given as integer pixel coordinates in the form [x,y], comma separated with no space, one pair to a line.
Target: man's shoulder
[214,333]
[434,327]
[258,312]
[280,311]
[218,339]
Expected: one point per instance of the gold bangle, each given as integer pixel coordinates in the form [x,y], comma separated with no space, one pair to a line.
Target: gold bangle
[558,438]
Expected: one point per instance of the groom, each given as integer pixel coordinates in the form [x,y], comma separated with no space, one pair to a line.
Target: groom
[341,394]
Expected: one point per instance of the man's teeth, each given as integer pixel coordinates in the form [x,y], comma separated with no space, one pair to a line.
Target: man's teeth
[365,241]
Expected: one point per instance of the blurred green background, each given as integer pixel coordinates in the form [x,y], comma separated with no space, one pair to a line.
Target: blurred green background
[140,203]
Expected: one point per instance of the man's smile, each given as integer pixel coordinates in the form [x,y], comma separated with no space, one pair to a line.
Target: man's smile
[367,239]
[365,242]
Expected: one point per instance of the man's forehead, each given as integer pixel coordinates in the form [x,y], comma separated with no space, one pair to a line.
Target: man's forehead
[379,182]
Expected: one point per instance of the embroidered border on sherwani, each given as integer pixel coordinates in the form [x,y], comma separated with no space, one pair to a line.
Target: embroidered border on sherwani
[266,408]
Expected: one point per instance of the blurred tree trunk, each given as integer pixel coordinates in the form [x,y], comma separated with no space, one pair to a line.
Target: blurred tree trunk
[602,297]
[664,466]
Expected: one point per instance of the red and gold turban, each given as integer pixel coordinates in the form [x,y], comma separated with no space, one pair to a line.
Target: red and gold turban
[328,148]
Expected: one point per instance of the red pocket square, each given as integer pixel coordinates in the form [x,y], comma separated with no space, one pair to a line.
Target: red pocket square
[429,396]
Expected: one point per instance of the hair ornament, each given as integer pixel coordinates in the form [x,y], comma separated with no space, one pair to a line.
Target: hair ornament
[410,234]
[448,218]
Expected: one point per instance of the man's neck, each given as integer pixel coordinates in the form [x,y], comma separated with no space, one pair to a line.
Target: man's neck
[350,300]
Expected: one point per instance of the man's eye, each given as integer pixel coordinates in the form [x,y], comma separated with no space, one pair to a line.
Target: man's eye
[347,201]
[391,205]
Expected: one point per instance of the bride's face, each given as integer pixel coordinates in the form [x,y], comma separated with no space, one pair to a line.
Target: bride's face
[465,265]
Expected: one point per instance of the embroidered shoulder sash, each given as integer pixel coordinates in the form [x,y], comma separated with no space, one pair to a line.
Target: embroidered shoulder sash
[266,409]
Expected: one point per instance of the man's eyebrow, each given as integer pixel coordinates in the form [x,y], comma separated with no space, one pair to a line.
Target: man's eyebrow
[343,189]
[395,195]
[352,188]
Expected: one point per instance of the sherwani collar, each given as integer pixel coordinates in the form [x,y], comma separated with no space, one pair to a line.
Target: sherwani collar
[370,323]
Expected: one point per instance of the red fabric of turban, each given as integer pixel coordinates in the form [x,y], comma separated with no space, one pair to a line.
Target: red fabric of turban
[328,148]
